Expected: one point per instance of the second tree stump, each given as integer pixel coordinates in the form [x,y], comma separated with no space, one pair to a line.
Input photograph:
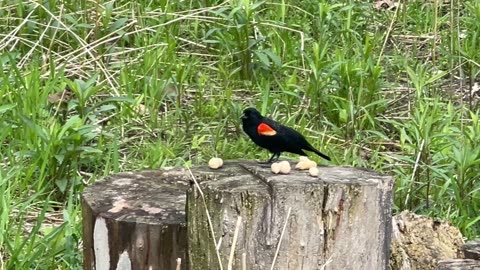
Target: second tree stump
[339,220]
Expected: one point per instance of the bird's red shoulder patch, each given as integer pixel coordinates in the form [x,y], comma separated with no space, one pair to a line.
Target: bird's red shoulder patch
[266,130]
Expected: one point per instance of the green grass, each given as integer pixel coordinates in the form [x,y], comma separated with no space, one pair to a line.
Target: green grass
[90,88]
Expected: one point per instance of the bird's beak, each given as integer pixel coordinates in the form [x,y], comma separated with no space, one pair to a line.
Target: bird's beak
[243,117]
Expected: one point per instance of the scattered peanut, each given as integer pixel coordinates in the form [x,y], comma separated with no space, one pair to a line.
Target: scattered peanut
[275,167]
[303,158]
[215,163]
[305,164]
[285,167]
[313,171]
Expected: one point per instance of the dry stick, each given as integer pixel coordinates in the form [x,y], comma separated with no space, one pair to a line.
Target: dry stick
[12,34]
[28,43]
[208,216]
[183,17]
[387,35]
[219,243]
[281,237]
[329,260]
[112,82]
[96,43]
[244,261]
[414,171]
[435,32]
[235,236]
[32,49]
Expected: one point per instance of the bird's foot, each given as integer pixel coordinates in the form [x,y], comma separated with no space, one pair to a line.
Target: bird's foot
[264,162]
[274,158]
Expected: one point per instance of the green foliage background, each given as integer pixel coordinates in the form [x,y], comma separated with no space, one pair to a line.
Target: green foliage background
[89,88]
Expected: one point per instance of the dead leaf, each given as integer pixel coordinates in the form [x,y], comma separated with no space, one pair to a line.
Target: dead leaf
[385,5]
[63,96]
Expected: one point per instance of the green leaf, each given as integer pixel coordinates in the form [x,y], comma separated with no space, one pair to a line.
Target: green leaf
[256,5]
[114,100]
[118,24]
[412,74]
[39,131]
[275,59]
[343,115]
[6,107]
[118,99]
[262,57]
[89,150]
[62,184]
[105,108]
[86,129]
[74,121]
[473,222]
[437,76]
[60,158]
[84,26]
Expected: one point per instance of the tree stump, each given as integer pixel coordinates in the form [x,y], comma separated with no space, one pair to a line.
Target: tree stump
[471,250]
[459,264]
[135,221]
[419,242]
[338,220]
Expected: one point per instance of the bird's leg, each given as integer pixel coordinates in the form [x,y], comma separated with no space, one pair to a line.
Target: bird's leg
[270,160]
[274,157]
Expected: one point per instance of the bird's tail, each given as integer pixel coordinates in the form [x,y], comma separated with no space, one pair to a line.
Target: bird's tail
[320,154]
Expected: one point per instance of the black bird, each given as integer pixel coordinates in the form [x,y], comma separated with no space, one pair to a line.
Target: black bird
[274,136]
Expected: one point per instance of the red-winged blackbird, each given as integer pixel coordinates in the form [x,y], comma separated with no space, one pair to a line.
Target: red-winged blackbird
[274,136]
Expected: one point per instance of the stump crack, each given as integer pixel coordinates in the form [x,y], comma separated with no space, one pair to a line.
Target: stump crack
[255,174]
[324,219]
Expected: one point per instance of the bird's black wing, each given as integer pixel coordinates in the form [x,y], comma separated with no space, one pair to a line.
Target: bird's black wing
[287,139]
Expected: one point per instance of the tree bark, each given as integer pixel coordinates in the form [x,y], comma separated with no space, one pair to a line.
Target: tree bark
[339,220]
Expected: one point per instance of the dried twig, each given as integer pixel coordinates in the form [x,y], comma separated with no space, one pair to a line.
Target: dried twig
[235,236]
[210,224]
[281,237]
